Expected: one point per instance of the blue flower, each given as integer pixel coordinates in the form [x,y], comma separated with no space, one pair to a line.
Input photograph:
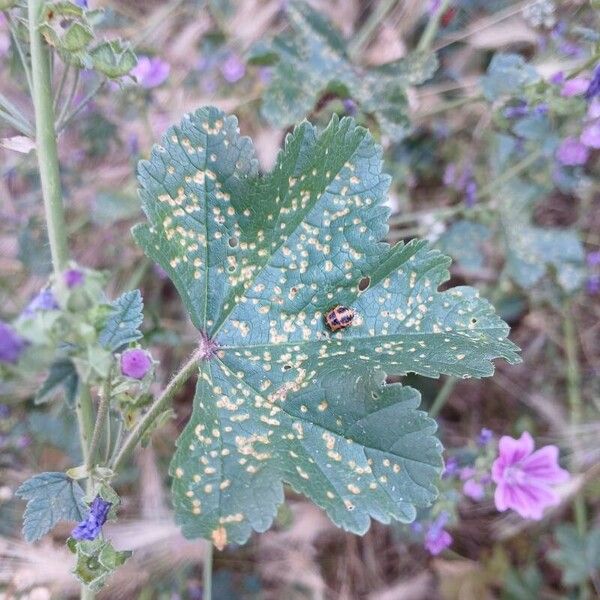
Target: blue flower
[45,300]
[90,527]
[594,87]
[11,344]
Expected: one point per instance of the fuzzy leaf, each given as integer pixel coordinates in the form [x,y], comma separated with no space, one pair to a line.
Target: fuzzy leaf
[508,74]
[259,261]
[51,497]
[122,326]
[578,556]
[314,60]
[62,374]
[463,241]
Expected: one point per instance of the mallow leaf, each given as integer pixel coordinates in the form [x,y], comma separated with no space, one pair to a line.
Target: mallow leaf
[313,61]
[507,74]
[62,374]
[122,325]
[577,555]
[51,497]
[258,261]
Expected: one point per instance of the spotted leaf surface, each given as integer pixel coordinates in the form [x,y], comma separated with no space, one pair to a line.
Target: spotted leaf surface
[313,61]
[259,262]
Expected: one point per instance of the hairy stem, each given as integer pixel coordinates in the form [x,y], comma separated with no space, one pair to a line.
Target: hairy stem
[364,35]
[154,411]
[85,419]
[207,569]
[442,396]
[100,421]
[432,27]
[46,140]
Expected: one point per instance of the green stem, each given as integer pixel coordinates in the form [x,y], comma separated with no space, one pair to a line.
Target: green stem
[69,99]
[46,141]
[85,418]
[442,396]
[67,118]
[100,421]
[20,51]
[573,376]
[154,411]
[61,86]
[450,105]
[364,35]
[432,27]
[207,569]
[485,191]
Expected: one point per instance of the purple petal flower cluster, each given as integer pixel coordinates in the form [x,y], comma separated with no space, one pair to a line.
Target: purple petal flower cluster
[73,278]
[89,529]
[151,72]
[474,489]
[44,301]
[451,468]
[525,479]
[233,69]
[485,437]
[12,344]
[135,363]
[437,539]
[593,89]
[572,152]
[575,87]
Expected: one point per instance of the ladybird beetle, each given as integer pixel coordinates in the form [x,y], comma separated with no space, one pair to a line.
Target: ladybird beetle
[339,317]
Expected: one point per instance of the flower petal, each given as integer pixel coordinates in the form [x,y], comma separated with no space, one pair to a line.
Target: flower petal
[514,450]
[543,466]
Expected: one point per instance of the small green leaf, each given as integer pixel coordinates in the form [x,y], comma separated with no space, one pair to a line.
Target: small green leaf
[259,261]
[122,326]
[313,61]
[463,241]
[62,374]
[508,74]
[578,556]
[113,58]
[96,561]
[51,497]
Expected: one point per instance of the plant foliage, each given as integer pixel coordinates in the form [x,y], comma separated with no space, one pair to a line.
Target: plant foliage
[258,262]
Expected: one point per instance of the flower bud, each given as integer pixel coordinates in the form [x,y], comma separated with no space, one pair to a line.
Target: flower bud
[135,363]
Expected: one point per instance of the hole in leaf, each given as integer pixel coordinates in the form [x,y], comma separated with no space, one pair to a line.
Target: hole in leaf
[230,269]
[287,367]
[364,284]
[233,242]
[473,320]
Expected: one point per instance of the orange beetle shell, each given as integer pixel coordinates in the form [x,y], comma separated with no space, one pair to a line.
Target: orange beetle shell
[339,318]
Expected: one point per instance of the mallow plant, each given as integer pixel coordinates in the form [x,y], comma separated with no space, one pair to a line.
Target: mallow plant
[285,394]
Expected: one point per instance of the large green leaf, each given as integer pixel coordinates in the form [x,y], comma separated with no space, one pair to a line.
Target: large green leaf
[258,261]
[313,60]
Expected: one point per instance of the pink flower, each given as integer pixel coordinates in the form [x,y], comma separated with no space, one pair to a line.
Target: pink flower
[474,490]
[525,478]
[575,87]
[590,136]
[151,72]
[135,363]
[572,152]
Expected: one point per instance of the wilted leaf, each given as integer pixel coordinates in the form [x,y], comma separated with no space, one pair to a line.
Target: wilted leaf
[122,326]
[51,497]
[258,262]
[313,61]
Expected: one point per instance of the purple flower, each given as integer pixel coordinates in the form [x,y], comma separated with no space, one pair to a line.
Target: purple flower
[349,106]
[233,69]
[525,478]
[74,278]
[471,193]
[437,539]
[575,87]
[45,300]
[89,528]
[516,111]
[11,344]
[557,78]
[451,468]
[474,489]
[590,136]
[593,285]
[135,363]
[593,258]
[594,87]
[485,437]
[593,111]
[151,72]
[433,7]
[572,152]
[82,3]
